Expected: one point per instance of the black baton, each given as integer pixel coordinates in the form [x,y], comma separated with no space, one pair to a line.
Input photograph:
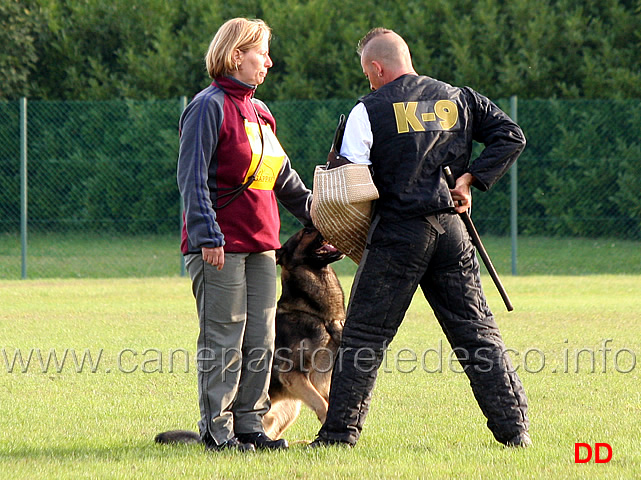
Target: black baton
[338,135]
[476,241]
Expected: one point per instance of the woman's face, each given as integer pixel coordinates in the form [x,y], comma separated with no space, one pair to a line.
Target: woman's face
[253,64]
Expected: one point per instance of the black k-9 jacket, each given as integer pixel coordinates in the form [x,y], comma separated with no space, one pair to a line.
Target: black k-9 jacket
[420,114]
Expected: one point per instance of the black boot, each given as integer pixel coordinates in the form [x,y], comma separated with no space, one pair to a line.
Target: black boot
[262,441]
[231,444]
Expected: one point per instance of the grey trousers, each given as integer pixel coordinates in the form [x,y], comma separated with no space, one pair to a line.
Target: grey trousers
[236,310]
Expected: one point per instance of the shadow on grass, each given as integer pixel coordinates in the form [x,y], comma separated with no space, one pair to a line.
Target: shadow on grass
[103,452]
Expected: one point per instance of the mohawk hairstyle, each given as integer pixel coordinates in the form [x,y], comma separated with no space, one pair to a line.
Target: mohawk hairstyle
[374,32]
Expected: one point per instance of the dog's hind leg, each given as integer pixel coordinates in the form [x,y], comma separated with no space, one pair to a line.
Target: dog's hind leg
[280,417]
[299,386]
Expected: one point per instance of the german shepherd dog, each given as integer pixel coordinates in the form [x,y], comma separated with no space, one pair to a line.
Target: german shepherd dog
[309,323]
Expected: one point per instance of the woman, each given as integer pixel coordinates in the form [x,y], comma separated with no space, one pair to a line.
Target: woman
[231,170]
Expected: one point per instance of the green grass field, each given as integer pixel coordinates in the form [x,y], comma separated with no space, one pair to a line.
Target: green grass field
[108,256]
[574,339]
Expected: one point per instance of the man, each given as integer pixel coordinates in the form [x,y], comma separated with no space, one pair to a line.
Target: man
[408,129]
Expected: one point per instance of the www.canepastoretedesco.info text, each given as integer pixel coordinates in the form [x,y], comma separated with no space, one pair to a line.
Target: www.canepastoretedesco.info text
[604,358]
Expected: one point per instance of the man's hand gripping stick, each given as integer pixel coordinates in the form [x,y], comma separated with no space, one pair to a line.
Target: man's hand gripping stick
[476,241]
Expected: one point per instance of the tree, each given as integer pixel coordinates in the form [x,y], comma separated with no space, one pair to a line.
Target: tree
[18,53]
[99,49]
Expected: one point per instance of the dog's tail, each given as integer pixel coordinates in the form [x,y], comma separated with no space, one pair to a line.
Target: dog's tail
[178,436]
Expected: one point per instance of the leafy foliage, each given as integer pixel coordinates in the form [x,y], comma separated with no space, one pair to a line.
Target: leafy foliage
[103,49]
[18,53]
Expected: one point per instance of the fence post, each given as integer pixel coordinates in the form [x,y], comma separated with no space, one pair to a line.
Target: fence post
[514,227]
[23,184]
[182,206]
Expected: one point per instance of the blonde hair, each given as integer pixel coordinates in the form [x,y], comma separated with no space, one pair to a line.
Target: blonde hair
[238,33]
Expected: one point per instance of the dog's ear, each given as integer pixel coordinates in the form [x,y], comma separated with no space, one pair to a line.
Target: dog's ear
[279,256]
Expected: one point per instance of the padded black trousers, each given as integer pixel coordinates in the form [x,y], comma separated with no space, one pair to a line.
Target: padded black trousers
[400,257]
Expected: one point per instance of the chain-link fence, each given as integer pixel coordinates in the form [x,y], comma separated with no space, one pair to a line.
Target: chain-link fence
[103,170]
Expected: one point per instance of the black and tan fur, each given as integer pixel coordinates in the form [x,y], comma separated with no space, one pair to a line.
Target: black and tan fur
[309,322]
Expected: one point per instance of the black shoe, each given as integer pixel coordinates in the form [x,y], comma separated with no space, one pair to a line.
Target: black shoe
[262,441]
[231,444]
[521,440]
[326,442]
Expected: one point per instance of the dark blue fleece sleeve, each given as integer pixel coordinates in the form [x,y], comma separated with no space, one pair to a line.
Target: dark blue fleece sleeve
[199,127]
